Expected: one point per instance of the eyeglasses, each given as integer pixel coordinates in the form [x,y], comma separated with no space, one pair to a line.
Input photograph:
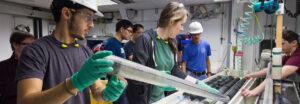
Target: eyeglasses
[130,31]
[87,17]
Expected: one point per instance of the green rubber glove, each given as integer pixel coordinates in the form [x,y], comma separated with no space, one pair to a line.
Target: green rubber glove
[168,88]
[202,84]
[113,89]
[94,68]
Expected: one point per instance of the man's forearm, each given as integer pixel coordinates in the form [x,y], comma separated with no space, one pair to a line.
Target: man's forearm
[260,88]
[260,73]
[208,67]
[183,66]
[180,56]
[55,95]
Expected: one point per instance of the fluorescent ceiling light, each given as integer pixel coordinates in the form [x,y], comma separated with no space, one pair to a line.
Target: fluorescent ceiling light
[224,0]
[106,2]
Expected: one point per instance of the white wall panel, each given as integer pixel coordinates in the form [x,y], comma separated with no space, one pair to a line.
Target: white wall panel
[5,28]
[45,27]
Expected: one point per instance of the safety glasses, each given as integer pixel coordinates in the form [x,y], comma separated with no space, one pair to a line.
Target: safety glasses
[87,17]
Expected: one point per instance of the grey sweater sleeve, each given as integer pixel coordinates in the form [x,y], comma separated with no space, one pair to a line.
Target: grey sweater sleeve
[141,50]
[141,54]
[177,71]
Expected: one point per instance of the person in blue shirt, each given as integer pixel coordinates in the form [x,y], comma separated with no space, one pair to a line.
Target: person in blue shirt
[138,29]
[114,44]
[123,32]
[195,58]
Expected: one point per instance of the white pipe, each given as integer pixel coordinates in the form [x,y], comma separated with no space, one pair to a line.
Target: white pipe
[276,63]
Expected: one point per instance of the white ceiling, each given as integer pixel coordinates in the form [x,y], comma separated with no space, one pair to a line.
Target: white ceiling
[35,3]
[150,4]
[139,4]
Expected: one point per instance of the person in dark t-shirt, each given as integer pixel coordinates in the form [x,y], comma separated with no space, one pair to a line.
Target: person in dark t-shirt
[56,69]
[114,44]
[123,32]
[290,62]
[138,29]
[8,85]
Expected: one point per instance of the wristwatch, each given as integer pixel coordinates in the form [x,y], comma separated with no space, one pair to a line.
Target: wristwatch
[209,73]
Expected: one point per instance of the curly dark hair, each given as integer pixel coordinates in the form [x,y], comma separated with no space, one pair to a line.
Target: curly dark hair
[123,23]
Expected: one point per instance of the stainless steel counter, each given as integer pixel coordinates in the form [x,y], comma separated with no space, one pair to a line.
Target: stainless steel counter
[178,97]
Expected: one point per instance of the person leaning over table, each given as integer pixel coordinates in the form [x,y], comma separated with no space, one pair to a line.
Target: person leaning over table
[290,62]
[156,48]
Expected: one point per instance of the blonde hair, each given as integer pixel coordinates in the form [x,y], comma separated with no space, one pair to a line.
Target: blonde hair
[172,11]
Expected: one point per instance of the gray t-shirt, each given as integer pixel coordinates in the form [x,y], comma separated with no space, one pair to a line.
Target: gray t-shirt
[47,60]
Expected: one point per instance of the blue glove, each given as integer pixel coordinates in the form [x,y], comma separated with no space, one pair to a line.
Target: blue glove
[94,68]
[113,89]
[168,88]
[202,84]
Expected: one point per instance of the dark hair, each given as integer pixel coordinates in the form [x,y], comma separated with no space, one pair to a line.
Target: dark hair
[290,36]
[135,27]
[123,23]
[18,37]
[57,6]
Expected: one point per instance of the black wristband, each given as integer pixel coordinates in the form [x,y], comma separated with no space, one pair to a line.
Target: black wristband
[209,73]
